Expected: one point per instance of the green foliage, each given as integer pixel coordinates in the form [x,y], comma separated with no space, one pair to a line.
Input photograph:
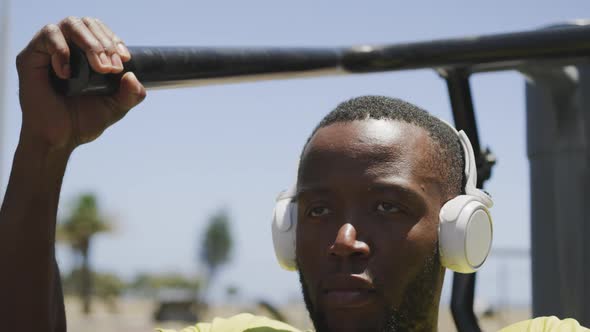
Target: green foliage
[106,285]
[83,222]
[150,284]
[217,242]
[78,229]
[232,291]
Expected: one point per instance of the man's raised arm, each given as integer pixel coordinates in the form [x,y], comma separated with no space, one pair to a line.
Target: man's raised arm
[52,127]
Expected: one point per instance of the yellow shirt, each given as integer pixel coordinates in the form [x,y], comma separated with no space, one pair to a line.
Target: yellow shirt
[251,323]
[239,323]
[546,324]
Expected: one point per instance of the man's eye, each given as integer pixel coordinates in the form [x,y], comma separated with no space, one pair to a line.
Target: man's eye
[318,211]
[388,207]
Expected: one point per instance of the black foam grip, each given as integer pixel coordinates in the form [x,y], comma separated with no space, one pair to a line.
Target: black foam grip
[84,80]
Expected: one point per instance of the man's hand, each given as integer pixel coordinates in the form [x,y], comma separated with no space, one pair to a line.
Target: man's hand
[52,126]
[65,122]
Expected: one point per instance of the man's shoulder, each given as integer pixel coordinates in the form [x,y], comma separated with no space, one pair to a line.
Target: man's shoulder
[239,323]
[546,324]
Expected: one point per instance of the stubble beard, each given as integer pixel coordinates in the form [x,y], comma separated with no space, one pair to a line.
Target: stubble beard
[417,312]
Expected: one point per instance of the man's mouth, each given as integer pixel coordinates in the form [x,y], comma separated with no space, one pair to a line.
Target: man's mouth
[347,291]
[348,298]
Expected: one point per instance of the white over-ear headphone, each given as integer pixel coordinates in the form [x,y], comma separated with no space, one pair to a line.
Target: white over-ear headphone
[465,229]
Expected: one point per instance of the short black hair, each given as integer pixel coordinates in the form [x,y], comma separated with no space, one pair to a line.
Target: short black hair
[450,152]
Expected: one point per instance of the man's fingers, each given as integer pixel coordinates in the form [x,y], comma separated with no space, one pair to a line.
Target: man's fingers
[47,48]
[60,66]
[121,48]
[75,30]
[54,44]
[102,37]
[106,41]
[104,50]
[131,92]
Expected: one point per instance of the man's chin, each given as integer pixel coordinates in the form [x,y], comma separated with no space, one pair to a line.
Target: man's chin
[348,312]
[335,320]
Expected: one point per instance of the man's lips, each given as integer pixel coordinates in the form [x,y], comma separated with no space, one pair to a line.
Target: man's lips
[347,291]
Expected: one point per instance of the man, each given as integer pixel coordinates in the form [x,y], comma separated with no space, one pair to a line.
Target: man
[371,183]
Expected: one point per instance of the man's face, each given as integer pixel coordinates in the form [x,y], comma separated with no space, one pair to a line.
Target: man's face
[368,201]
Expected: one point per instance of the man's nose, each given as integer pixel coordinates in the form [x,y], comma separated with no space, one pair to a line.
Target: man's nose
[347,245]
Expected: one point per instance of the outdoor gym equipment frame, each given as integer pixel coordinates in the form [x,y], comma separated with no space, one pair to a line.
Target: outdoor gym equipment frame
[454,59]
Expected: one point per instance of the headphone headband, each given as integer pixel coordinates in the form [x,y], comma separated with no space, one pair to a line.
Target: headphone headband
[470,170]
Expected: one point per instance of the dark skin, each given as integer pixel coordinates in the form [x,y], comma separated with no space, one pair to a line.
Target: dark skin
[368,204]
[53,126]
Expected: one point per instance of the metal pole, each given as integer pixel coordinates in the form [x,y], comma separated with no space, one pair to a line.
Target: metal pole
[558,147]
[167,67]
[464,116]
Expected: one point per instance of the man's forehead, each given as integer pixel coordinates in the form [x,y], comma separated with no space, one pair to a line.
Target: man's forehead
[369,138]
[370,131]
[373,148]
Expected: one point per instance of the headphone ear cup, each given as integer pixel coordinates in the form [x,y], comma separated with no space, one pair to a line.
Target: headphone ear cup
[284,229]
[465,234]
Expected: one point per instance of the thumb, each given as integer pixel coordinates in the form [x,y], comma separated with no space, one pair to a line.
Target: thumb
[131,92]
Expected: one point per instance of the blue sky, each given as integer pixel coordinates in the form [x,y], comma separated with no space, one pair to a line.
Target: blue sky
[184,153]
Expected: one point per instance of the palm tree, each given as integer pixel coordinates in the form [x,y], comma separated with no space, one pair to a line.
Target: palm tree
[78,230]
[217,243]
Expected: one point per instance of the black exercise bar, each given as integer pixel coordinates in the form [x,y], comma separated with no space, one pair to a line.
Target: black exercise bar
[478,53]
[169,67]
[463,291]
[160,67]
